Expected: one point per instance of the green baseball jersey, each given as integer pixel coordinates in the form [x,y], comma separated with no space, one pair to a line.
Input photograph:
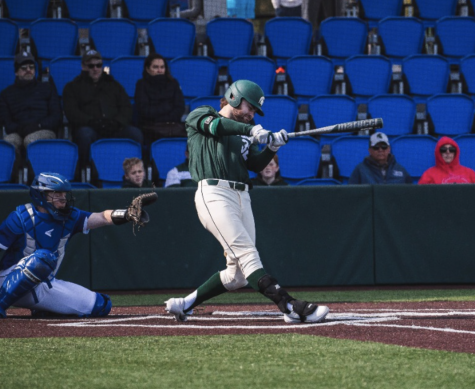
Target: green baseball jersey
[221,148]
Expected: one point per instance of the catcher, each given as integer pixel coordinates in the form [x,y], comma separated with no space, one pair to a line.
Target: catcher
[34,238]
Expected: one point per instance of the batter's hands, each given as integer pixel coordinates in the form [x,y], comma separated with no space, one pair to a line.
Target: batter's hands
[280,139]
[261,136]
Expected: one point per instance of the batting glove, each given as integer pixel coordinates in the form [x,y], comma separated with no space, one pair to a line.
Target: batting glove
[260,135]
[280,139]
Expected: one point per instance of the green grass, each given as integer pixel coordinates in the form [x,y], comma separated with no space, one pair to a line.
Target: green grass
[251,361]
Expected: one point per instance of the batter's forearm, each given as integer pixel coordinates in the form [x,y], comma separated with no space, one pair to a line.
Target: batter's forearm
[223,126]
[99,219]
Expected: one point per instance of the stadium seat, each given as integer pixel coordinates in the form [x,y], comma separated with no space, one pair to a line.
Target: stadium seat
[9,33]
[310,76]
[127,71]
[467,145]
[299,159]
[64,70]
[432,10]
[54,38]
[7,159]
[114,37]
[197,76]
[401,36]
[349,151]
[172,37]
[85,11]
[451,114]
[415,153]
[368,75]
[108,155]
[343,37]
[143,11]
[13,187]
[7,72]
[213,101]
[398,112]
[422,82]
[25,11]
[280,113]
[375,10]
[288,37]
[319,182]
[457,36]
[53,155]
[82,185]
[258,69]
[467,68]
[167,153]
[221,31]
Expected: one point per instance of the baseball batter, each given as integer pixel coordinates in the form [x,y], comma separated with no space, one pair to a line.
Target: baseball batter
[34,238]
[222,150]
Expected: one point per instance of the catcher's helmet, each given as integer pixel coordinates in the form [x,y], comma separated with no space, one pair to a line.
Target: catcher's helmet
[52,182]
[248,90]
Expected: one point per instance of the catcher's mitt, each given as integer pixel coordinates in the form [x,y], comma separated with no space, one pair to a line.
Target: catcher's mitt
[135,212]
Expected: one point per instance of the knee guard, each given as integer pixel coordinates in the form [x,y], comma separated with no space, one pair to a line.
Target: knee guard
[102,307]
[29,272]
[269,287]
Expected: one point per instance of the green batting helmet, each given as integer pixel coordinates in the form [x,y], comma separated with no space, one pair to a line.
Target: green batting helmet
[248,90]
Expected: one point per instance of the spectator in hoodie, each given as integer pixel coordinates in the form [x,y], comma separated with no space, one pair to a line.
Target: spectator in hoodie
[447,169]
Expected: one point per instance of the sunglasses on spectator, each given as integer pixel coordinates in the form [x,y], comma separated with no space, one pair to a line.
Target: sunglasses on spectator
[383,147]
[94,65]
[449,149]
[27,67]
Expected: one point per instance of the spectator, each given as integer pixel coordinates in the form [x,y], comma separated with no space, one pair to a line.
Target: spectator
[270,175]
[179,176]
[134,174]
[159,101]
[30,109]
[97,106]
[380,167]
[241,8]
[447,169]
[287,7]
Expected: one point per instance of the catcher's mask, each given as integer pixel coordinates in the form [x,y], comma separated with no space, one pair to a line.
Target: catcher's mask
[248,90]
[45,183]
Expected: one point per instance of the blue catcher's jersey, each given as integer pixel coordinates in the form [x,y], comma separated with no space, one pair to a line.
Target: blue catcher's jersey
[26,230]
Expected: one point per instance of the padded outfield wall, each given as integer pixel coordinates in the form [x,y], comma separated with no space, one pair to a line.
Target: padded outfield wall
[307,236]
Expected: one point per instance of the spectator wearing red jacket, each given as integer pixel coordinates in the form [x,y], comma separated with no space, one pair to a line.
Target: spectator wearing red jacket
[447,169]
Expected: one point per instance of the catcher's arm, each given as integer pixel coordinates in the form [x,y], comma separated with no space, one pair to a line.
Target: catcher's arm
[134,212]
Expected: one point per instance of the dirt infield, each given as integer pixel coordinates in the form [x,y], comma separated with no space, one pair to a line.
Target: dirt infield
[438,325]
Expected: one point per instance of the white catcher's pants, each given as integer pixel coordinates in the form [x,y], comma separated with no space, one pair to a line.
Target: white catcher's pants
[227,214]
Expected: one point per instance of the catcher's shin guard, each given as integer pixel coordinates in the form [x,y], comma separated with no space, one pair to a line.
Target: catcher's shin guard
[102,307]
[269,287]
[29,272]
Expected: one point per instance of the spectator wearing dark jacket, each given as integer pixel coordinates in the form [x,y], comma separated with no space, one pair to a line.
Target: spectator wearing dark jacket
[97,106]
[380,167]
[159,101]
[29,109]
[270,175]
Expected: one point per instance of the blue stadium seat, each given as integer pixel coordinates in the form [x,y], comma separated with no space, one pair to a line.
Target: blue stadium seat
[64,70]
[457,36]
[415,153]
[401,37]
[113,37]
[54,38]
[344,37]
[288,37]
[349,151]
[13,187]
[197,76]
[85,11]
[108,156]
[7,72]
[258,69]
[58,155]
[319,182]
[423,83]
[374,10]
[167,153]
[25,11]
[127,71]
[280,113]
[452,114]
[143,11]
[299,159]
[467,145]
[82,185]
[172,37]
[310,75]
[369,75]
[467,68]
[397,111]
[221,31]
[432,10]
[213,101]
[7,159]
[9,33]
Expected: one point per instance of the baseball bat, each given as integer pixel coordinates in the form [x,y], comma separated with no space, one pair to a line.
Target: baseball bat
[342,127]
